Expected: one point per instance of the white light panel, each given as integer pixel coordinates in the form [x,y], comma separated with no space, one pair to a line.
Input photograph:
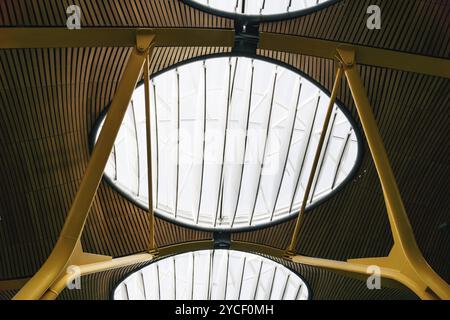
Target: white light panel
[233,142]
[213,275]
[259,7]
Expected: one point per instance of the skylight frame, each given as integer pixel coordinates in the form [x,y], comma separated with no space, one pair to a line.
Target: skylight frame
[253,18]
[303,292]
[310,206]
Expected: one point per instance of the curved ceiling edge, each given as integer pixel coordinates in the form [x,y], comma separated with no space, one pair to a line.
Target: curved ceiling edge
[277,15]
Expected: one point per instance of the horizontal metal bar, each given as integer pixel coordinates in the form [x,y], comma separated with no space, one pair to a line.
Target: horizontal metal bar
[364,55]
[112,37]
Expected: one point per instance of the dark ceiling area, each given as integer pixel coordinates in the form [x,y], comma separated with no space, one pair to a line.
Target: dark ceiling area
[50,100]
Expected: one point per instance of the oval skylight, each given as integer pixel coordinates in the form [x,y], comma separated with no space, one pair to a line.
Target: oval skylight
[255,174]
[257,7]
[213,275]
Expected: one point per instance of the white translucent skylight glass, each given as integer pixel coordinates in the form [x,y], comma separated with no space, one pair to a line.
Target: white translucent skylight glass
[213,275]
[253,175]
[259,7]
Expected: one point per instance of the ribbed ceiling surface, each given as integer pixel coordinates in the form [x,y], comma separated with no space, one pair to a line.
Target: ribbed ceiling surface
[50,99]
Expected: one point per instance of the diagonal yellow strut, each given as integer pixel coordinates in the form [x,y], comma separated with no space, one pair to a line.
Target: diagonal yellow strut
[405,262]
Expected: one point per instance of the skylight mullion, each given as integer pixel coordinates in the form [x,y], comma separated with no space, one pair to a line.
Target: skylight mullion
[178,142]
[265,147]
[115,162]
[137,149]
[322,160]
[245,144]
[204,143]
[211,274]
[298,291]
[157,147]
[226,275]
[257,280]
[285,287]
[273,282]
[305,154]
[231,83]
[242,278]
[341,157]
[289,150]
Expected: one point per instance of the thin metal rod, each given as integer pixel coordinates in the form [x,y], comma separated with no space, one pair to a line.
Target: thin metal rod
[341,157]
[159,282]
[143,285]
[261,168]
[137,147]
[226,275]
[193,276]
[178,143]
[301,214]
[204,143]
[115,162]
[285,286]
[273,282]
[157,146]
[231,82]
[257,280]
[245,145]
[242,278]
[288,152]
[211,274]
[148,131]
[300,172]
[322,160]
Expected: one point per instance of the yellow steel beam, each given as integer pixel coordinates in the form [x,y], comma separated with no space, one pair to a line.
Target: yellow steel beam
[74,224]
[294,240]
[166,37]
[13,284]
[406,256]
[86,269]
[151,245]
[112,37]
[365,55]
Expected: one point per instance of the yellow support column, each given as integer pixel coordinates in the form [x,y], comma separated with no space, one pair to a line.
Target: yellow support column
[74,224]
[406,256]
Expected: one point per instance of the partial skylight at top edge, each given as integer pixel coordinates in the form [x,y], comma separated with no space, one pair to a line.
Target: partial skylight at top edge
[233,142]
[255,8]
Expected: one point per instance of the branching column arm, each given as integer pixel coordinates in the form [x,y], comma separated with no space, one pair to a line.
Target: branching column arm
[78,213]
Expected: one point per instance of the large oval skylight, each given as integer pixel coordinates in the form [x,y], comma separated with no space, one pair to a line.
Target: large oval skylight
[252,176]
[257,7]
[213,275]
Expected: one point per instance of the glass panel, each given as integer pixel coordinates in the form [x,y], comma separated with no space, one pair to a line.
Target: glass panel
[233,141]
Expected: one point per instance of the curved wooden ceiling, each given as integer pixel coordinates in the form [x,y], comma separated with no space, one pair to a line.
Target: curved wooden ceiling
[51,98]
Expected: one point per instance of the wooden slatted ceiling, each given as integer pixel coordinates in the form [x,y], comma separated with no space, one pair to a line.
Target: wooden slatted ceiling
[416,26]
[50,99]
[148,13]
[46,115]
